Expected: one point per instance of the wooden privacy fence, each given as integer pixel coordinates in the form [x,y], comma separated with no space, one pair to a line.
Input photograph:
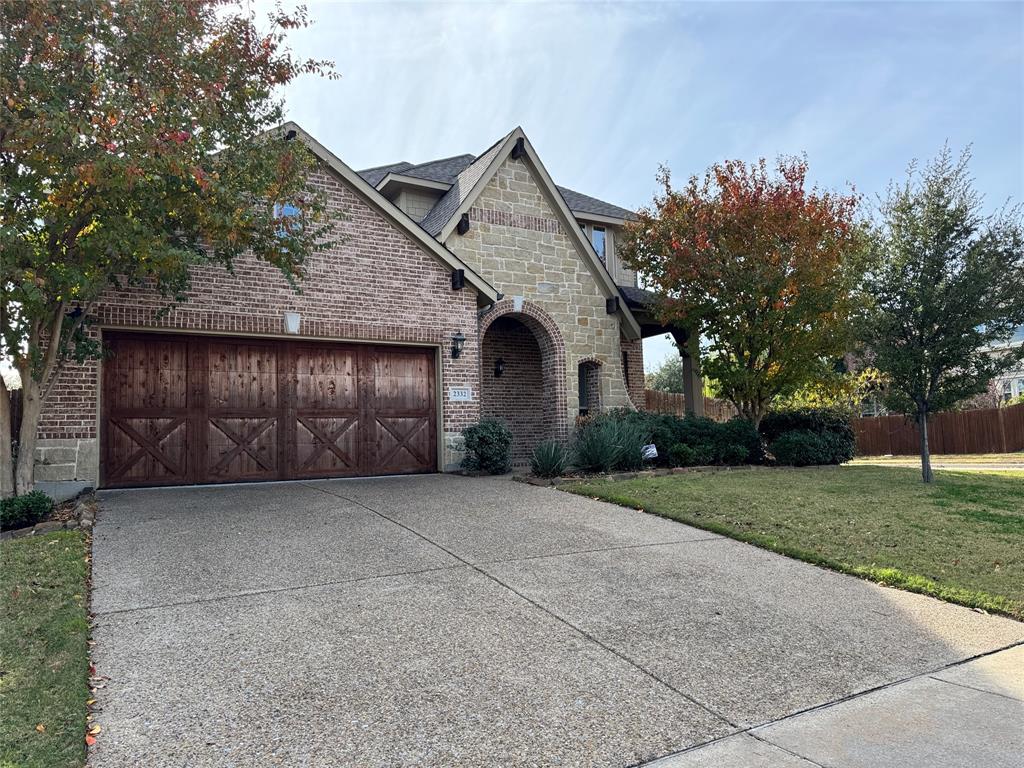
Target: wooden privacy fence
[985,430]
[671,402]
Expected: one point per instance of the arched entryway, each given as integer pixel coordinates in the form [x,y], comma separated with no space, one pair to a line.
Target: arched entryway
[522,377]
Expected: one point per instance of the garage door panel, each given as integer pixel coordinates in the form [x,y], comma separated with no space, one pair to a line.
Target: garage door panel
[143,449]
[401,444]
[402,381]
[242,376]
[325,378]
[242,448]
[199,409]
[327,446]
[150,375]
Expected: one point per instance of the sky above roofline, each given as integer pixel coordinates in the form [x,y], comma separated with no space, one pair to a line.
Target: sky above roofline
[608,91]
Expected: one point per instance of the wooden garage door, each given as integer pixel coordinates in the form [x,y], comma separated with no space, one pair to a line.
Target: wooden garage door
[181,410]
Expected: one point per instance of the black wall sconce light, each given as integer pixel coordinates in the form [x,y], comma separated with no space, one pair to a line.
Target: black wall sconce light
[458,342]
[611,305]
[458,279]
[499,368]
[519,149]
[463,226]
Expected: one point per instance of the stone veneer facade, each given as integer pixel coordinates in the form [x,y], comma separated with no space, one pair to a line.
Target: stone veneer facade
[518,243]
[376,284]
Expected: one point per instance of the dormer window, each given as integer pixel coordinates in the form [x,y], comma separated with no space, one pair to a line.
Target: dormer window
[597,238]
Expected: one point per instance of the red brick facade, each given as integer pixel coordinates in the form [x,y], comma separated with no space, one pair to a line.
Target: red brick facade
[516,393]
[377,284]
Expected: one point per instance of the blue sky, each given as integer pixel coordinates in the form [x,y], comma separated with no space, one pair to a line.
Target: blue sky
[607,91]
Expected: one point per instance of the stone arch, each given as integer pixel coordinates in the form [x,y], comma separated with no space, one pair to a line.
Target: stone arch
[529,390]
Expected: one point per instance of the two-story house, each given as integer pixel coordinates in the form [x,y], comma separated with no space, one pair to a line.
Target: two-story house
[461,288]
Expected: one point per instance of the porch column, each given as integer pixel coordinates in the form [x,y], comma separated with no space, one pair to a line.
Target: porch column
[693,382]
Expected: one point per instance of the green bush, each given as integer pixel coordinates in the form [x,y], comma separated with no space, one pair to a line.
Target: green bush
[831,424]
[23,511]
[613,440]
[820,420]
[802,448]
[549,459]
[841,447]
[739,442]
[633,436]
[683,455]
[734,442]
[488,447]
[733,454]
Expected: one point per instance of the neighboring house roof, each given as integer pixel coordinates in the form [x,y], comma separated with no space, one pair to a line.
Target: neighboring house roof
[448,170]
[391,211]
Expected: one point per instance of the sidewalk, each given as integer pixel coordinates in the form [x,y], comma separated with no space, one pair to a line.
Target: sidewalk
[969,714]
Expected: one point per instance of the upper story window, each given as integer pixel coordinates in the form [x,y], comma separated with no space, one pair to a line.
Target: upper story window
[597,237]
[284,211]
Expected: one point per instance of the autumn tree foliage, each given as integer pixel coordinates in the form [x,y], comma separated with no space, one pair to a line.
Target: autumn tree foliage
[134,144]
[761,267]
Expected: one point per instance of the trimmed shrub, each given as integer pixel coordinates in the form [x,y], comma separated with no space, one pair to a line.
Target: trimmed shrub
[733,454]
[549,459]
[682,455]
[23,511]
[488,447]
[841,447]
[831,424]
[802,448]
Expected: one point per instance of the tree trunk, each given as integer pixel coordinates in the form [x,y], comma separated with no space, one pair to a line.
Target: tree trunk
[33,392]
[6,443]
[926,459]
[32,406]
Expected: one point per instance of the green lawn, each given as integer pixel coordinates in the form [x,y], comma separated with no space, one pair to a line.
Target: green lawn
[1016,459]
[44,661]
[961,539]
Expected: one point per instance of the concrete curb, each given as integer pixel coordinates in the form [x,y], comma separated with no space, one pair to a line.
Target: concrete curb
[661,472]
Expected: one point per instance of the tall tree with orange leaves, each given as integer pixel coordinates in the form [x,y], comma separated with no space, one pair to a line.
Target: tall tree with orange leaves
[135,142]
[763,268]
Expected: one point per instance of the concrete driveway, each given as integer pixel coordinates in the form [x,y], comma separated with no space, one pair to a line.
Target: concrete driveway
[449,621]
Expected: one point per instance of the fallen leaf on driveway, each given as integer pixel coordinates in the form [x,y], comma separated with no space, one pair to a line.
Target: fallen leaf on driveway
[90,740]
[95,729]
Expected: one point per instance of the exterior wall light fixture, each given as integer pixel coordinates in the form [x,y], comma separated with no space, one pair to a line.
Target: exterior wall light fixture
[458,342]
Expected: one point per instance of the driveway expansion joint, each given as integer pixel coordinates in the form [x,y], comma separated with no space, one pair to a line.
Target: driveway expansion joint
[886,686]
[583,633]
[976,689]
[276,590]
